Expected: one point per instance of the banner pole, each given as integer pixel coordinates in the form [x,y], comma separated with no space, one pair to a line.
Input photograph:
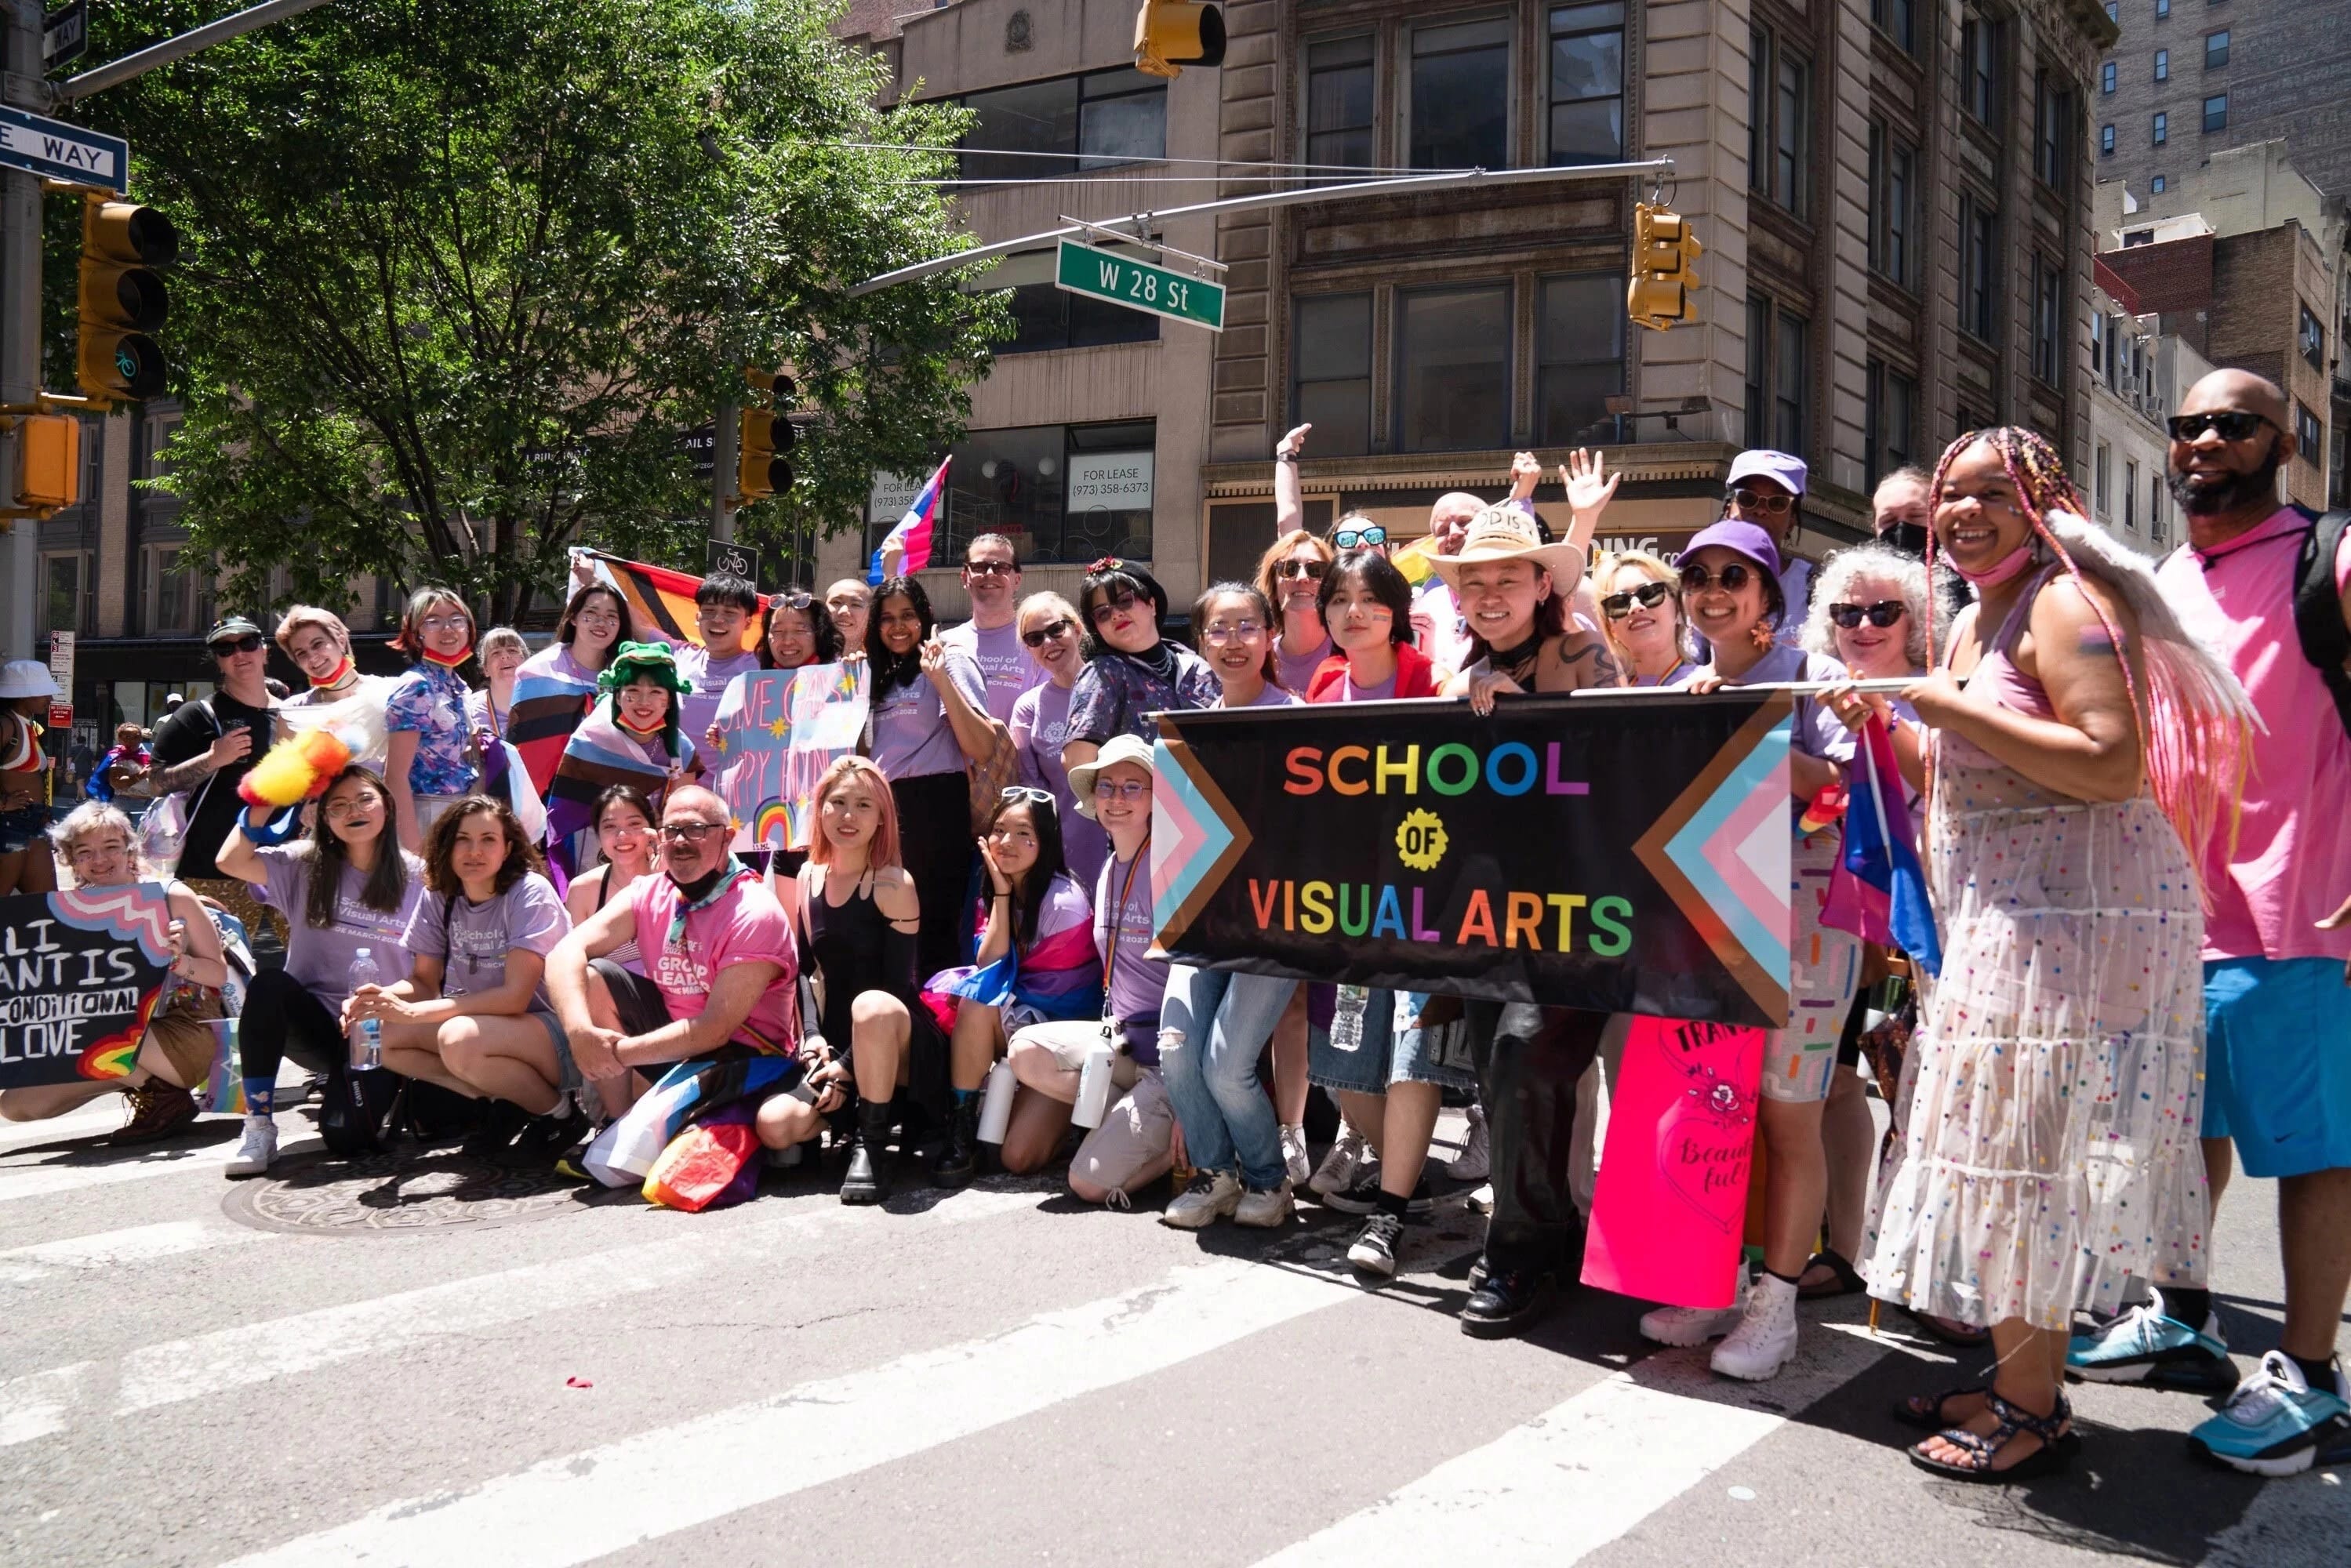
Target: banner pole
[1796,688]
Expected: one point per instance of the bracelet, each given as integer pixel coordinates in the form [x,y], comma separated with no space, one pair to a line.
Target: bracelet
[1285,457]
[1006,893]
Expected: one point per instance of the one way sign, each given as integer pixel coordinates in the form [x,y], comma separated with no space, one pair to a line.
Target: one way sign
[55,151]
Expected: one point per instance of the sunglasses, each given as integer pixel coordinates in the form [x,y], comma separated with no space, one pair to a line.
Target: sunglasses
[1882,614]
[249,644]
[1649,595]
[1029,792]
[795,601]
[992,568]
[1052,631]
[1757,501]
[1360,539]
[1312,570]
[1696,579]
[1120,789]
[2234,424]
[1112,601]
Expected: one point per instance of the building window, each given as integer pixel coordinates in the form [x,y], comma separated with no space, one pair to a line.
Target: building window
[1055,127]
[1791,383]
[2130,497]
[1889,420]
[2106,76]
[1453,369]
[1980,69]
[2311,338]
[2158,185]
[1330,382]
[2105,141]
[1579,357]
[1587,83]
[2155,528]
[1979,234]
[2048,320]
[2163,65]
[2216,113]
[2103,472]
[1461,95]
[1901,209]
[2309,436]
[175,601]
[1759,369]
[2102,348]
[2138,236]
[2215,49]
[1046,317]
[1060,493]
[2162,9]
[1338,102]
[2162,127]
[1899,19]
[65,593]
[1779,139]
[2052,111]
[2114,10]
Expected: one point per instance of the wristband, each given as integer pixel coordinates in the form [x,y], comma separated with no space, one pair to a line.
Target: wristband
[266,826]
[1285,457]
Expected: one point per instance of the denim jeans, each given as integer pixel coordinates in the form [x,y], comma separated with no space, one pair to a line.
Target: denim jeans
[1213,1025]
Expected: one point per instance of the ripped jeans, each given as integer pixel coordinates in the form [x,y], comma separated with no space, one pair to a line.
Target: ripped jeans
[1213,1027]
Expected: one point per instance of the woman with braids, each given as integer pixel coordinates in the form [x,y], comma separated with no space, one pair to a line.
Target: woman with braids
[2054,1091]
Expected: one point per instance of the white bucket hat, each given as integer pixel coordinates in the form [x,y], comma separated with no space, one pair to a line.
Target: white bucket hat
[1121,748]
[27,678]
[1506,533]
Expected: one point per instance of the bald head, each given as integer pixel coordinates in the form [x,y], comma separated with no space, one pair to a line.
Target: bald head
[2232,435]
[2223,391]
[692,801]
[1448,520]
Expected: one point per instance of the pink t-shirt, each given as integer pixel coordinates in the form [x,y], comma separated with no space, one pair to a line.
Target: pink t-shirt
[2292,861]
[744,925]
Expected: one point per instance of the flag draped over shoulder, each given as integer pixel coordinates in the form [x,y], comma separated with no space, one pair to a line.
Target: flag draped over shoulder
[1878,890]
[596,755]
[1059,978]
[548,703]
[660,599]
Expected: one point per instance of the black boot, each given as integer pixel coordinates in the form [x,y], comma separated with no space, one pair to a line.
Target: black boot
[957,1157]
[1507,1301]
[868,1180]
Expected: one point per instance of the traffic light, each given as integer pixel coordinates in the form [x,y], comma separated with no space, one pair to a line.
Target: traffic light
[49,470]
[123,299]
[1663,249]
[766,434]
[1169,35]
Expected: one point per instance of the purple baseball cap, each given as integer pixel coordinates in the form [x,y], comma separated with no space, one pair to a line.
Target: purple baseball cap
[1744,539]
[1762,462]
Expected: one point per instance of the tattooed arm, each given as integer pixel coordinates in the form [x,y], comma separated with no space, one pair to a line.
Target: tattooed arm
[1576,660]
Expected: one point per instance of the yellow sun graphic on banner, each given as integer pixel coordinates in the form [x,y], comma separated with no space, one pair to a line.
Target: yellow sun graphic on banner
[1420,840]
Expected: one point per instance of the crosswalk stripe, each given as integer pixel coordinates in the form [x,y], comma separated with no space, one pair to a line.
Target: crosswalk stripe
[1587,1470]
[583,1506]
[103,1116]
[112,1249]
[47,1181]
[45,1402]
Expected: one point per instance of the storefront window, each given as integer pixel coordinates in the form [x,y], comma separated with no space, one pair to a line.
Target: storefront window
[1062,494]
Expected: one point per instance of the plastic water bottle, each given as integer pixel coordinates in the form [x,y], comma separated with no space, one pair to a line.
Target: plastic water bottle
[366,1049]
[1347,1019]
[1095,1086]
[996,1104]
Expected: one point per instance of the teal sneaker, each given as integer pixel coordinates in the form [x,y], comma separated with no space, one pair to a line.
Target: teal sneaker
[2275,1424]
[2144,1345]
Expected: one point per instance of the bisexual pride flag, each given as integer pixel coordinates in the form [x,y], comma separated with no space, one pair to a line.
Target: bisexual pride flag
[1878,890]
[915,530]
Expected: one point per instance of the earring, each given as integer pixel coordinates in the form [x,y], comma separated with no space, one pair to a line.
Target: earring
[1762,636]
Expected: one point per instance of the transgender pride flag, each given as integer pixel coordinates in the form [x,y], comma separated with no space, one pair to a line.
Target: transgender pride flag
[914,530]
[1878,890]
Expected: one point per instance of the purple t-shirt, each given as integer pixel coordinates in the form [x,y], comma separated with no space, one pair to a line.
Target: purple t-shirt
[1136,983]
[1040,724]
[1273,696]
[527,917]
[1298,673]
[912,737]
[1380,692]
[1818,733]
[1004,663]
[709,675]
[322,958]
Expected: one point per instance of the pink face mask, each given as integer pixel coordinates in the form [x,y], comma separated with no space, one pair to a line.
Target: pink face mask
[2007,566]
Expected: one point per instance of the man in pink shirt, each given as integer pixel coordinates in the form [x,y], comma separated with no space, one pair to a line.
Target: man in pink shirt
[2277,1010]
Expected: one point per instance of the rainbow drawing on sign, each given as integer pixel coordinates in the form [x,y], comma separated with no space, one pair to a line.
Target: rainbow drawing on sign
[779,730]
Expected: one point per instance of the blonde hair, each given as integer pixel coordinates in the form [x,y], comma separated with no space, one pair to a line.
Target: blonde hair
[90,817]
[1045,599]
[884,853]
[302,615]
[499,637]
[1654,567]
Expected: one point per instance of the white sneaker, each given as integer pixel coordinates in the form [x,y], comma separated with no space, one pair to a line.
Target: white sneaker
[1765,1338]
[1686,1326]
[1475,1162]
[1213,1196]
[258,1148]
[1265,1210]
[1293,1153]
[1337,1171]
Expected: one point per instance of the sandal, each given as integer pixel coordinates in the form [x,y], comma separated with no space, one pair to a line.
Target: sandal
[1926,1412]
[1845,1282]
[1960,1335]
[2054,1456]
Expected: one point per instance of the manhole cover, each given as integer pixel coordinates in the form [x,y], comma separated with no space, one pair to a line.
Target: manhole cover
[405,1189]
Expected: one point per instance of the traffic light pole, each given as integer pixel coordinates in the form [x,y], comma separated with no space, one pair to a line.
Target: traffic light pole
[725,461]
[20,326]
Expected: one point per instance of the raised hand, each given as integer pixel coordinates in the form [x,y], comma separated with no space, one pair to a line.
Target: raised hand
[1589,484]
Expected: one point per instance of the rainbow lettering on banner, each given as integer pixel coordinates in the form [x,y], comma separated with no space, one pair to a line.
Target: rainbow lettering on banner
[80,974]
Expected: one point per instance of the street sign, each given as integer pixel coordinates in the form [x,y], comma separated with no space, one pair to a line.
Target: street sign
[700,446]
[65,35]
[61,670]
[735,560]
[67,153]
[1139,286]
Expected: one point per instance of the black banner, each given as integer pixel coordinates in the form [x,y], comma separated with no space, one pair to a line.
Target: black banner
[1624,854]
[80,973]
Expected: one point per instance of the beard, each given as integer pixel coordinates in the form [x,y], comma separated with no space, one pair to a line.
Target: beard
[2233,492]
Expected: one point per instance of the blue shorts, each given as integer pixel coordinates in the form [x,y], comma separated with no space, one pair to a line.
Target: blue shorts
[1393,1047]
[2277,1063]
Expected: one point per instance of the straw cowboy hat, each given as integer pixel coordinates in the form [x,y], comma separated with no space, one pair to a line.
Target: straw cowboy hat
[1506,533]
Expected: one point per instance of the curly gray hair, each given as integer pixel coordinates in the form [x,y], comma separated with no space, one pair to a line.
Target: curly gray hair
[1835,586]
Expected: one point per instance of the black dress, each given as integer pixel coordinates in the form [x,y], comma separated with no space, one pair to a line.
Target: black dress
[854,948]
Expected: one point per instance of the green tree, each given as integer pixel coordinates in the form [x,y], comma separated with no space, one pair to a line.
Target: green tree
[455,274]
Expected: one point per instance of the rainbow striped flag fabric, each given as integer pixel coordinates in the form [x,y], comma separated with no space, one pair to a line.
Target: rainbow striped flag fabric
[660,599]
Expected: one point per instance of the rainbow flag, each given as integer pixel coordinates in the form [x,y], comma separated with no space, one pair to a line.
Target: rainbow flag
[915,530]
[1413,560]
[549,702]
[660,599]
[1878,890]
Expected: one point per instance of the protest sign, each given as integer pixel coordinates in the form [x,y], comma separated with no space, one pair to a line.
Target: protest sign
[80,973]
[1625,857]
[779,730]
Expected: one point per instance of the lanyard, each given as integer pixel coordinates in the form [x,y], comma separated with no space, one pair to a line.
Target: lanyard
[1118,924]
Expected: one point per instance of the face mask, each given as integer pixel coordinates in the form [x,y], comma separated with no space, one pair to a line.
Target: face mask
[2008,567]
[450,661]
[648,732]
[1909,538]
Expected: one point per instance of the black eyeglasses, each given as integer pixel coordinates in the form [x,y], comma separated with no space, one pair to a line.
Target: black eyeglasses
[1369,537]
[1052,631]
[2234,424]
[250,643]
[1696,579]
[1757,501]
[1882,614]
[1114,600]
[1649,595]
[992,568]
[690,832]
[1312,570]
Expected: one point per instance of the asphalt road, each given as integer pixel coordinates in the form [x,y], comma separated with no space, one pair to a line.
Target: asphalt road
[331,1369]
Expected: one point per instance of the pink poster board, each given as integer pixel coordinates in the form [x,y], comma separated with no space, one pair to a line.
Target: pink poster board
[1670,1207]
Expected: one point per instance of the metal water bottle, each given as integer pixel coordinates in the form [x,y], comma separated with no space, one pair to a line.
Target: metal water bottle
[1094,1085]
[995,1103]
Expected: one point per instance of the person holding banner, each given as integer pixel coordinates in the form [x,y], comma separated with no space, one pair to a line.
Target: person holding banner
[723,608]
[99,845]
[1732,584]
[1041,724]
[930,715]
[1130,667]
[430,762]
[796,632]
[2051,1148]
[1641,611]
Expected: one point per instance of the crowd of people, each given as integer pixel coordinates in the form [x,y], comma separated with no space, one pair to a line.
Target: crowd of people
[2129,782]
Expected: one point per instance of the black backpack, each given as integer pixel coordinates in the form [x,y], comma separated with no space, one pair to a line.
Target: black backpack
[2318,607]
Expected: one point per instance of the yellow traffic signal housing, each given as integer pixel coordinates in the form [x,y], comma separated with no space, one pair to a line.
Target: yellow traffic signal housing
[764,435]
[123,299]
[1169,35]
[48,476]
[1663,249]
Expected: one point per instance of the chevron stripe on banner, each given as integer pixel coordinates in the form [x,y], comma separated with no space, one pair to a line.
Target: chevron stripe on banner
[1196,837]
[1721,850]
[139,912]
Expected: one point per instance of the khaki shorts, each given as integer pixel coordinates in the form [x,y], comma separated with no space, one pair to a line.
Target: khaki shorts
[182,1030]
[1131,1147]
